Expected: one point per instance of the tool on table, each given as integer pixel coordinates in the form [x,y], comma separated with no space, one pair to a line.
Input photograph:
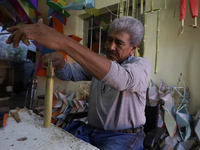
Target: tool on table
[29,112]
[15,115]
[18,109]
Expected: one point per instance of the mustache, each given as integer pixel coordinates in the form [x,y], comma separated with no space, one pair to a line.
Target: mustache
[111,52]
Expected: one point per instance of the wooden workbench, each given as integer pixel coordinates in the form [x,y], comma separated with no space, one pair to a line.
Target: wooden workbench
[37,137]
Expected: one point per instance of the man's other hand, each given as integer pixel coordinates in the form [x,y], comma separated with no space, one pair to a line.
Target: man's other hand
[39,32]
[57,59]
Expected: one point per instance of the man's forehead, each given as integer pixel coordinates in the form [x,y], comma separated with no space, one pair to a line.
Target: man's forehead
[118,35]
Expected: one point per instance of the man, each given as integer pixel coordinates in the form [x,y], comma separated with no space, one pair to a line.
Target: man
[118,89]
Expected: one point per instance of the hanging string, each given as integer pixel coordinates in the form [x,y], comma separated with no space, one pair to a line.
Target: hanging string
[110,10]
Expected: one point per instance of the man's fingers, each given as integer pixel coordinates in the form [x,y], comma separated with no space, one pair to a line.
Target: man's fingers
[16,39]
[25,40]
[12,29]
[40,20]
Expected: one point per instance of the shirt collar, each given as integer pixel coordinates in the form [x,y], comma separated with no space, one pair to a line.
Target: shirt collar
[128,59]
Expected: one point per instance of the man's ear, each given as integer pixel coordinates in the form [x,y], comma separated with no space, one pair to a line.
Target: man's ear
[133,49]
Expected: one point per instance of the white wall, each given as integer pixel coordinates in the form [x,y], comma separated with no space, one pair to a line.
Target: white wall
[176,55]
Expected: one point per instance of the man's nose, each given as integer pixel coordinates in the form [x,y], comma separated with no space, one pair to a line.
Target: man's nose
[113,46]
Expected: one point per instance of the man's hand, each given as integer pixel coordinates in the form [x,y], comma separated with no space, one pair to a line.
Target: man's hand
[57,59]
[38,32]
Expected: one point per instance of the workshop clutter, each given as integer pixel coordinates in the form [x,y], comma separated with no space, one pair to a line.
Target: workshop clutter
[4,111]
[64,103]
[183,129]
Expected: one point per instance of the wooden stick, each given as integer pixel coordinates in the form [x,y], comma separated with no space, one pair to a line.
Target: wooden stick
[157,42]
[48,96]
[5,33]
[27,110]
[15,115]
[18,109]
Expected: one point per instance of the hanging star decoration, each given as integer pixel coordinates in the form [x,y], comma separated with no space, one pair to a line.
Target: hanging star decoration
[58,17]
[16,12]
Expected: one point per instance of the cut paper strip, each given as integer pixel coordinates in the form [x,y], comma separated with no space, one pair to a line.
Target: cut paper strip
[63,108]
[9,7]
[31,13]
[62,2]
[58,8]
[61,96]
[71,102]
[78,39]
[24,5]
[67,110]
[8,13]
[170,123]
[61,18]
[183,120]
[33,3]
[19,9]
[58,104]
[57,25]
[93,11]
[71,96]
[52,14]
[56,113]
[74,109]
[80,5]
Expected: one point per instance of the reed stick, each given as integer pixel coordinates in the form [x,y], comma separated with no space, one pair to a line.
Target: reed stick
[152,5]
[165,4]
[157,42]
[127,7]
[133,9]
[144,38]
[121,9]
[141,6]
[48,96]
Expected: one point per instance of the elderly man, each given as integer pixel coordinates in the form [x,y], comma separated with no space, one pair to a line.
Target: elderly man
[119,81]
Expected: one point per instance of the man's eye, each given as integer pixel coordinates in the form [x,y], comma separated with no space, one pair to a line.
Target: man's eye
[109,40]
[118,43]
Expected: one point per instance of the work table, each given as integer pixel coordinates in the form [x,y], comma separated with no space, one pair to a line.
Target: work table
[29,134]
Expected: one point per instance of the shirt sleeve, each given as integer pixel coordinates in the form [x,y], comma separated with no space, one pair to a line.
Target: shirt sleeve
[132,76]
[73,72]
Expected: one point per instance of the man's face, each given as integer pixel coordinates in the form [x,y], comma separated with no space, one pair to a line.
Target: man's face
[118,46]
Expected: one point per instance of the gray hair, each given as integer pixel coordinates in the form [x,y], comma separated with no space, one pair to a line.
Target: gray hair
[129,25]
